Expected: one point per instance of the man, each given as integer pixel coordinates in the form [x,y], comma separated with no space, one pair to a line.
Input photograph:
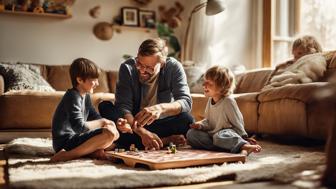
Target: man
[153,97]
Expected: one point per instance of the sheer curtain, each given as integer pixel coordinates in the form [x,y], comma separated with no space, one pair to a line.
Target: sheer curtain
[231,38]
[318,18]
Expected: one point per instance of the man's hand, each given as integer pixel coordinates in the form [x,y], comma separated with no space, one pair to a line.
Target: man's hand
[150,140]
[124,126]
[148,115]
[196,126]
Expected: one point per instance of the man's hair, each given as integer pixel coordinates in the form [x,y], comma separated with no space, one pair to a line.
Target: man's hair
[153,46]
[83,68]
[308,43]
[223,78]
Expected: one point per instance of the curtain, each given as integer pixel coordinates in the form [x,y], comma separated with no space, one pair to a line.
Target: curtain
[231,38]
[318,19]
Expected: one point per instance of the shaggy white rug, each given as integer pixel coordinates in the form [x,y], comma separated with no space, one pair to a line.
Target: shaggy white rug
[29,168]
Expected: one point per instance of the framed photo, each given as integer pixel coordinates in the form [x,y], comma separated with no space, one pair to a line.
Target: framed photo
[147,19]
[129,16]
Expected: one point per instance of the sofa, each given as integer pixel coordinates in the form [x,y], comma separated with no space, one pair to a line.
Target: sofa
[291,110]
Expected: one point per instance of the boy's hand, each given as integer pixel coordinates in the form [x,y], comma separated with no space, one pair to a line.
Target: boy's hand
[196,126]
[106,121]
[124,126]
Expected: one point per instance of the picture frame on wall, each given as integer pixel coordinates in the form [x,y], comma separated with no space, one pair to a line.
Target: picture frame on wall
[147,18]
[130,16]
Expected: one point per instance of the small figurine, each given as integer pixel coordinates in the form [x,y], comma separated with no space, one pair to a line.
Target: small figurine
[172,148]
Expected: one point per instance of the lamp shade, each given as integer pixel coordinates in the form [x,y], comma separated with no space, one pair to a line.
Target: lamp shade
[214,7]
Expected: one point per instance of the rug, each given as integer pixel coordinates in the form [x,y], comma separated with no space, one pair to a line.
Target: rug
[29,167]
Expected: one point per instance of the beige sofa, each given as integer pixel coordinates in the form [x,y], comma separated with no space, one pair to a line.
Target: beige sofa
[289,110]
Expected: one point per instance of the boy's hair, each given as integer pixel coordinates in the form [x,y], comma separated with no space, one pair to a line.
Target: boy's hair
[308,43]
[83,68]
[223,78]
[152,46]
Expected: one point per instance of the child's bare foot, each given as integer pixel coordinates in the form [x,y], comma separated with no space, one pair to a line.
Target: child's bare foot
[62,155]
[178,140]
[249,148]
[98,154]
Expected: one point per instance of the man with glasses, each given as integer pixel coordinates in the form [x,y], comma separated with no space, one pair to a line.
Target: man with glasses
[152,96]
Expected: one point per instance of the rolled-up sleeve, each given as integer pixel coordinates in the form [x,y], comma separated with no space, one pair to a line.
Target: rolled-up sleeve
[124,94]
[180,88]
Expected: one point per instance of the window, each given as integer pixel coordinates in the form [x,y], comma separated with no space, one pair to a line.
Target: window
[284,20]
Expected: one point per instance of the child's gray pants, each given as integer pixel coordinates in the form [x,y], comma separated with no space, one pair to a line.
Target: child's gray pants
[226,139]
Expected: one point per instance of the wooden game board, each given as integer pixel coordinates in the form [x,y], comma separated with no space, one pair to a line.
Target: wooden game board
[161,159]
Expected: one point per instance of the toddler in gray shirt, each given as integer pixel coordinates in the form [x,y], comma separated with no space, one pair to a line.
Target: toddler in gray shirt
[223,126]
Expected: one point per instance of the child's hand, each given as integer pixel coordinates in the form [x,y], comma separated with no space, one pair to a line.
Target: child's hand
[124,126]
[106,121]
[196,126]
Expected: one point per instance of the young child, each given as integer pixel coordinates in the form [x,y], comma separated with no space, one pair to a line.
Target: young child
[301,46]
[77,129]
[223,126]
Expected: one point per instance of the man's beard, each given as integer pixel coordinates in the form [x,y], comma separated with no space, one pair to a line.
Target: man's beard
[143,79]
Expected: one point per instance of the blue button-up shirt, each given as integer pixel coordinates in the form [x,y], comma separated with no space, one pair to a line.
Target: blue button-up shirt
[172,87]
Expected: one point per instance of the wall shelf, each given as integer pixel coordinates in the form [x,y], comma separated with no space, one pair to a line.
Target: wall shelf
[120,28]
[53,15]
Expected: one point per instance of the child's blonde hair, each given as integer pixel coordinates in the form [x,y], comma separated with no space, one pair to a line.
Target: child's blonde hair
[223,78]
[308,43]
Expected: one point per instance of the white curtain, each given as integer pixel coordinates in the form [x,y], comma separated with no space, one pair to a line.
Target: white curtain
[318,18]
[231,38]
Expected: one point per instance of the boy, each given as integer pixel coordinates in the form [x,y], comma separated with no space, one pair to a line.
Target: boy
[77,129]
[223,126]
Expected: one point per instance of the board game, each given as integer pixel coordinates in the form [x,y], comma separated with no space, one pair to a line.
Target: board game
[162,159]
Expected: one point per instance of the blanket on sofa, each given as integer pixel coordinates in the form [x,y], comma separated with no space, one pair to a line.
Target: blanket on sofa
[29,168]
[307,69]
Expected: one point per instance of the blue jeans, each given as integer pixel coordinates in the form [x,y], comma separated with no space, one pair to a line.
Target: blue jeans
[173,125]
[225,139]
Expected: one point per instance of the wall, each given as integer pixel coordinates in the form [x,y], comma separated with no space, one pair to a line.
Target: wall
[55,41]
[58,41]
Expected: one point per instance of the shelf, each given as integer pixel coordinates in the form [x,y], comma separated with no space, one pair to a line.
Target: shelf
[62,16]
[119,29]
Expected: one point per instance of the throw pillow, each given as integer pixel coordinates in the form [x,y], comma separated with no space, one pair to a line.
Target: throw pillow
[194,78]
[20,76]
[307,69]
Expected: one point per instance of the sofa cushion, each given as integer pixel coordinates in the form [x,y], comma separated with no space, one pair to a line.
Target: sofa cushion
[248,106]
[34,110]
[58,77]
[300,92]
[63,83]
[112,80]
[28,109]
[259,78]
[20,76]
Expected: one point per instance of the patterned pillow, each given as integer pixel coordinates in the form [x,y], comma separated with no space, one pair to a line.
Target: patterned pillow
[20,76]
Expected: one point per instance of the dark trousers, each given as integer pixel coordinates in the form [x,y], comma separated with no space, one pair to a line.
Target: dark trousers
[173,125]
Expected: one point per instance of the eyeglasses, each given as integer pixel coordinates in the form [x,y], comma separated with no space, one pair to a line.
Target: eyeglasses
[141,66]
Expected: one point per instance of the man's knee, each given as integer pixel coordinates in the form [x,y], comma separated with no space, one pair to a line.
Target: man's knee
[187,117]
[104,106]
